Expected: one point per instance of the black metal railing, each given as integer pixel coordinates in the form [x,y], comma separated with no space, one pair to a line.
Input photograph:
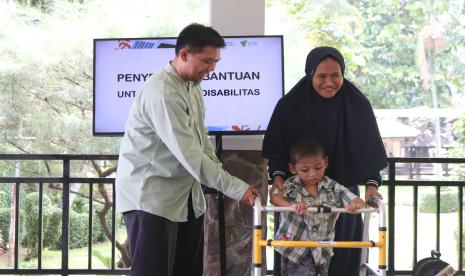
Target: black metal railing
[391,182]
[416,181]
[65,179]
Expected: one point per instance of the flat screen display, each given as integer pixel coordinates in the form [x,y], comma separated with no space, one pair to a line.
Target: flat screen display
[239,95]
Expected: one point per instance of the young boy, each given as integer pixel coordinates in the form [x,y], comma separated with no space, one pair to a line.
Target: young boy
[309,187]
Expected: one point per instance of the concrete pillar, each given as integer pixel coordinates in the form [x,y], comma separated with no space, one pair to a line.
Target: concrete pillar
[241,155]
[238,17]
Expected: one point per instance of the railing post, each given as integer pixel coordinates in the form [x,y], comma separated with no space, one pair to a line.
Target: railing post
[391,208]
[257,236]
[221,218]
[382,236]
[16,203]
[40,226]
[438,218]
[460,223]
[89,231]
[65,218]
[113,225]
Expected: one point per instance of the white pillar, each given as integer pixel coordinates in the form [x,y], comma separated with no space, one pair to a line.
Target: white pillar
[239,17]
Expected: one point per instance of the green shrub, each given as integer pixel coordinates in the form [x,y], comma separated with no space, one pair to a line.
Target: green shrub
[448,203]
[2,246]
[78,228]
[52,234]
[81,205]
[82,222]
[30,236]
[5,195]
[52,224]
[5,224]
[98,234]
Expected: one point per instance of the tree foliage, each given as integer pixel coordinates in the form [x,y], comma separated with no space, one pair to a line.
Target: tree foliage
[381,41]
[46,83]
[46,69]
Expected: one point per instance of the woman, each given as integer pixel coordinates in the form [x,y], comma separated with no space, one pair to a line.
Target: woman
[327,108]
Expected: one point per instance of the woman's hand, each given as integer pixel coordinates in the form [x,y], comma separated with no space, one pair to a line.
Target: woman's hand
[278,183]
[370,192]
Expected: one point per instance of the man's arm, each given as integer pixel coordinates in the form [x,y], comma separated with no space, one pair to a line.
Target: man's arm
[209,150]
[166,114]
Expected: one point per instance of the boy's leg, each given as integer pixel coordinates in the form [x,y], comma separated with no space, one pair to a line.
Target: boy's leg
[306,268]
[152,243]
[322,270]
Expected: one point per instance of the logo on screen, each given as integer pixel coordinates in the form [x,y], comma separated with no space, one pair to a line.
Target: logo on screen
[124,44]
[141,44]
[246,43]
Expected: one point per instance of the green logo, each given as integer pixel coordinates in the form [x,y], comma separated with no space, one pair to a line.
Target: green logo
[244,43]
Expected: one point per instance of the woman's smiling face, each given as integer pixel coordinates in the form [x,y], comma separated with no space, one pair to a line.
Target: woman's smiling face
[327,79]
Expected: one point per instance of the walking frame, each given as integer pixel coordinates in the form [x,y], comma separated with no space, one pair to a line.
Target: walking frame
[259,242]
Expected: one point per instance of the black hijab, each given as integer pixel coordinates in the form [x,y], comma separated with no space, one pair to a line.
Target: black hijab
[344,124]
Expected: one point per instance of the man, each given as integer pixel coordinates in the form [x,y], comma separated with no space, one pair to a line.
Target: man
[165,156]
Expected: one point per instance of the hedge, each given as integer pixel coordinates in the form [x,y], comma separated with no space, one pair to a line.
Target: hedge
[52,224]
[448,203]
[5,195]
[5,223]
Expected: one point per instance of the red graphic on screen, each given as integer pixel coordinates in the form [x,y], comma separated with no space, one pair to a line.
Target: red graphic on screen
[124,44]
[241,128]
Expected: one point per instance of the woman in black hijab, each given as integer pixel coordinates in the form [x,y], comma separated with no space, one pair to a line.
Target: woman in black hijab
[327,108]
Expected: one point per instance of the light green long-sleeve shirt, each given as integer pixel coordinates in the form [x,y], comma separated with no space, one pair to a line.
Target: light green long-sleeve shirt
[166,154]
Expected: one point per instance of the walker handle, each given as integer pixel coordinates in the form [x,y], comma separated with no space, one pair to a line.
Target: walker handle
[373,201]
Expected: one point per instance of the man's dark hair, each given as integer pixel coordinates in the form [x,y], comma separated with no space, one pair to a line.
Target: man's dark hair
[197,36]
[306,149]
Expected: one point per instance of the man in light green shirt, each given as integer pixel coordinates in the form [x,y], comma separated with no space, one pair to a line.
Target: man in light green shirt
[166,156]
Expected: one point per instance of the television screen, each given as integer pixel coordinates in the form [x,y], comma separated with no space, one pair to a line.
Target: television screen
[239,95]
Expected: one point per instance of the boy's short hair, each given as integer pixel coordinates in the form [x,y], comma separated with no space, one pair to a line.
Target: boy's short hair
[305,149]
[196,37]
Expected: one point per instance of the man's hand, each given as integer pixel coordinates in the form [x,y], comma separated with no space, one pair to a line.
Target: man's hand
[371,191]
[249,196]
